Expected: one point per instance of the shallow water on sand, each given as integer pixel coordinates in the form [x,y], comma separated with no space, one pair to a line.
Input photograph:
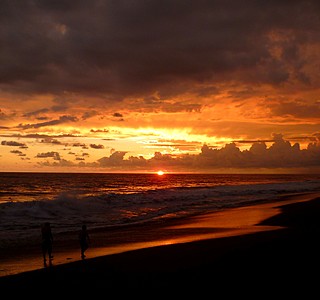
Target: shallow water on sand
[224,223]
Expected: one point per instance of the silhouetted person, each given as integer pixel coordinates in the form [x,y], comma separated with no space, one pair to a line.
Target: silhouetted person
[47,240]
[84,240]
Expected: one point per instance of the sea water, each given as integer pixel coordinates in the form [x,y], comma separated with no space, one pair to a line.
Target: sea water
[67,200]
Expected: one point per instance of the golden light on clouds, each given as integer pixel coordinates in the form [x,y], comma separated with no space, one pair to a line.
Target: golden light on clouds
[84,91]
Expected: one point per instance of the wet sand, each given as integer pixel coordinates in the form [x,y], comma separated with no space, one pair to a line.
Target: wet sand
[264,249]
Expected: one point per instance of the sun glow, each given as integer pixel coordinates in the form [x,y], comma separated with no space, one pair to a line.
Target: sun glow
[160,173]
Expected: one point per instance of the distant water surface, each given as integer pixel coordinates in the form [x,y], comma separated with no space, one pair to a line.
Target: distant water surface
[67,200]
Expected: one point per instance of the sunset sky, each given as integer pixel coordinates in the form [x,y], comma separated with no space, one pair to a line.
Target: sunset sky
[139,86]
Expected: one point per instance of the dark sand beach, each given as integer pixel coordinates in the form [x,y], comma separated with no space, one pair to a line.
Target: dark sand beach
[262,250]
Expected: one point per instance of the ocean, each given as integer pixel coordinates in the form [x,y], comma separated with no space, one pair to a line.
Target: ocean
[67,200]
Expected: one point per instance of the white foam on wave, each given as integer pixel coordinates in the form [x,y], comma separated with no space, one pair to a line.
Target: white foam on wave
[22,220]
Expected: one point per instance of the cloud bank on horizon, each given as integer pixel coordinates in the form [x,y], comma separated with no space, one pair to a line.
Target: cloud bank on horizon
[179,84]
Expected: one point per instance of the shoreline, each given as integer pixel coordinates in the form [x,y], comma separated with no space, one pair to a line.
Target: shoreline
[290,252]
[211,225]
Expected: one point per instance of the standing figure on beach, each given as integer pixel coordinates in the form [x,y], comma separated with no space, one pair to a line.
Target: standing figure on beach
[47,240]
[84,240]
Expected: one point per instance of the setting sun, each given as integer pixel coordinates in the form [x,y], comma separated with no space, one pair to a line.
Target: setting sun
[154,123]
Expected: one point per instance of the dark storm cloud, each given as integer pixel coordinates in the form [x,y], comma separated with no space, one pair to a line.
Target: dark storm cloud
[12,143]
[50,140]
[136,47]
[52,154]
[89,114]
[298,109]
[281,154]
[117,115]
[61,120]
[179,106]
[99,130]
[18,152]
[36,113]
[82,145]
[96,146]
[38,136]
[3,116]
[114,159]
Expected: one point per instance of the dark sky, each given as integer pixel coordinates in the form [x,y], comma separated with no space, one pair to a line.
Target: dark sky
[135,47]
[159,72]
